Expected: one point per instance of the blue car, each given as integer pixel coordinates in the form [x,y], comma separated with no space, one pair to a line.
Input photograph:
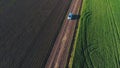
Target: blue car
[73,17]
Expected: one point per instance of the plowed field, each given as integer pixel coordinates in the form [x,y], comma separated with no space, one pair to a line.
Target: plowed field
[28,29]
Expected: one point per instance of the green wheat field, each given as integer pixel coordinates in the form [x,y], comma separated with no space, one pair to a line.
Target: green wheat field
[97,43]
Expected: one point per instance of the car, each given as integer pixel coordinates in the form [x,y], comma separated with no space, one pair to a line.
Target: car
[72,16]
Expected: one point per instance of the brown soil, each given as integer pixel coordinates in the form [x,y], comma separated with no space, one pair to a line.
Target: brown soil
[28,29]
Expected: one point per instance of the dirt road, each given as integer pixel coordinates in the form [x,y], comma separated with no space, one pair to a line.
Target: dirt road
[59,54]
[28,29]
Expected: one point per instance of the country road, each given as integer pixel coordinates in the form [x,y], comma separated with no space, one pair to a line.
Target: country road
[60,51]
[28,29]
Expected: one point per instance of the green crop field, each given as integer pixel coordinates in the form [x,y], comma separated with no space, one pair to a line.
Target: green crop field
[97,44]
